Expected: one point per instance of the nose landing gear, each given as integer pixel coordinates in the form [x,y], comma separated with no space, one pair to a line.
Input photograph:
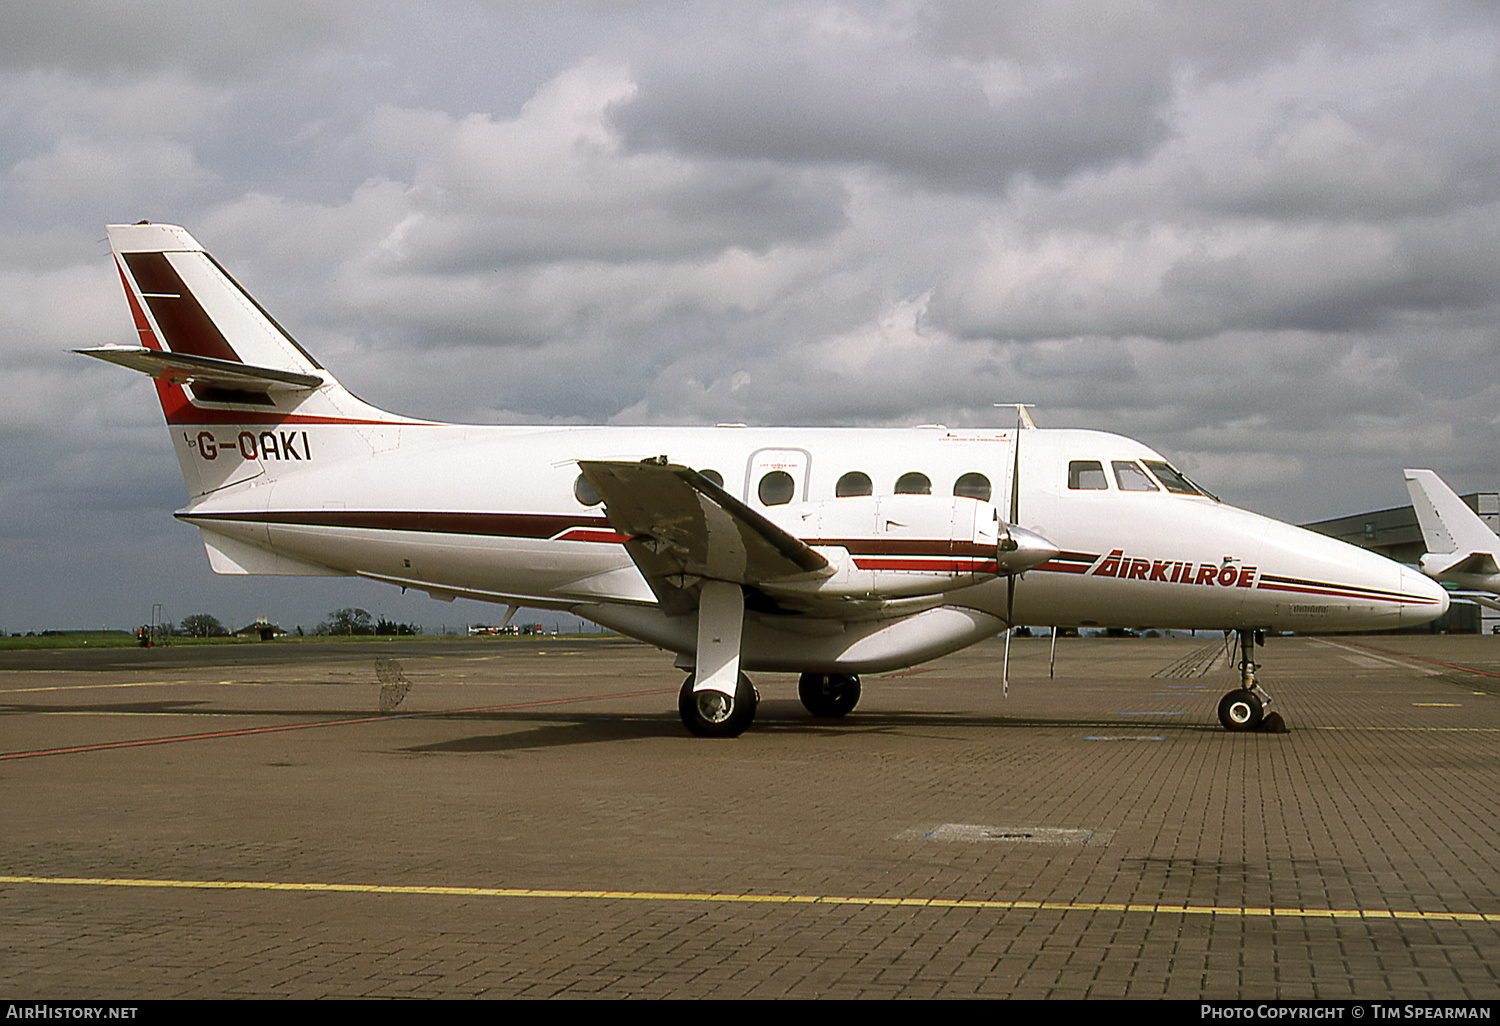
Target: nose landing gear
[1244,707]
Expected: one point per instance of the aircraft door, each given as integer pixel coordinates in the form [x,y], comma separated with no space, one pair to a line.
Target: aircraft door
[775,477]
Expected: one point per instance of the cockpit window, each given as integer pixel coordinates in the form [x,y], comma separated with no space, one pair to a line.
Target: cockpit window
[1131,478]
[1171,480]
[1086,475]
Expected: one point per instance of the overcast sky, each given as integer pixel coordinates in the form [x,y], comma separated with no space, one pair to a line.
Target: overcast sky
[1262,238]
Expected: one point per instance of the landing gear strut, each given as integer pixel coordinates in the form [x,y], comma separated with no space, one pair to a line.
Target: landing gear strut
[1244,707]
[828,694]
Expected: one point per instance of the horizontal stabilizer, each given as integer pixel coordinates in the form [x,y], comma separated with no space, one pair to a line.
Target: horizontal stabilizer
[1476,563]
[184,368]
[1481,598]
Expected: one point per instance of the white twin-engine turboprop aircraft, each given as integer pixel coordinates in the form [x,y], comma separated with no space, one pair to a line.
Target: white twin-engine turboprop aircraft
[820,551]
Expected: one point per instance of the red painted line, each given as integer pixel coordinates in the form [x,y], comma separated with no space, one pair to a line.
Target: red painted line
[1423,659]
[586,535]
[142,742]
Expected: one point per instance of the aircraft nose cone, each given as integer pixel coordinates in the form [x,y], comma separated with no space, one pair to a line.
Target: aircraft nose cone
[1423,598]
[1020,550]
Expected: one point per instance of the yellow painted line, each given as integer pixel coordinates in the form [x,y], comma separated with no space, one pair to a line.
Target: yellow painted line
[90,687]
[1438,705]
[186,684]
[756,899]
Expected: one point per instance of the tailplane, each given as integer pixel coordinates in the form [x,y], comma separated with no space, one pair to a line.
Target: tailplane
[243,399]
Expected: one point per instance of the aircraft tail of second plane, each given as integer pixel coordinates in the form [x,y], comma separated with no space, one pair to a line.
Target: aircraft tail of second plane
[1457,540]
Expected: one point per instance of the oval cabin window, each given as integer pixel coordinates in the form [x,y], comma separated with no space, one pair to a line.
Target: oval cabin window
[973,486]
[584,492]
[776,488]
[913,484]
[853,484]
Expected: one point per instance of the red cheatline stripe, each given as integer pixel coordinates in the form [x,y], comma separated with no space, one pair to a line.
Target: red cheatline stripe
[199,416]
[142,742]
[1340,591]
[960,565]
[498,525]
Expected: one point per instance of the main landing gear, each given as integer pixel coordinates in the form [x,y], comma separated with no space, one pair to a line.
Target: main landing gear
[1244,707]
[715,714]
[828,694]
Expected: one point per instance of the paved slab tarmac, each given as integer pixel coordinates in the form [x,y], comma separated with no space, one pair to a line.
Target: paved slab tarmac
[533,821]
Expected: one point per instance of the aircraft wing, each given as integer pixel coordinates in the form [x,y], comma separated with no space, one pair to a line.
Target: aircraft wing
[682,529]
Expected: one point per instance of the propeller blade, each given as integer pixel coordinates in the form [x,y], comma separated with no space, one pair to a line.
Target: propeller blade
[1011,552]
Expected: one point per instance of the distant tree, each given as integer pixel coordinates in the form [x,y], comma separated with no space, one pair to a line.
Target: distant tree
[385,627]
[346,621]
[201,625]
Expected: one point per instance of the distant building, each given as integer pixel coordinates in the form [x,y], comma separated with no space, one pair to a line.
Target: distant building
[261,628]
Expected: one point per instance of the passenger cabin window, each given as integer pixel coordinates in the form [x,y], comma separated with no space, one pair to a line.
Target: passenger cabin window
[1170,479]
[1131,478]
[853,484]
[776,488]
[584,492]
[1086,475]
[913,484]
[973,486]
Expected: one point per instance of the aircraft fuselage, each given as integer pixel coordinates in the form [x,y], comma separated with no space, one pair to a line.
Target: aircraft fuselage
[494,512]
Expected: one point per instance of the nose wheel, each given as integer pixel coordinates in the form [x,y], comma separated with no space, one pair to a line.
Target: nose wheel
[1244,708]
[1241,709]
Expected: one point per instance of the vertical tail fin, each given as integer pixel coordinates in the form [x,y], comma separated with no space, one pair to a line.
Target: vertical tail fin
[240,395]
[1450,529]
[195,308]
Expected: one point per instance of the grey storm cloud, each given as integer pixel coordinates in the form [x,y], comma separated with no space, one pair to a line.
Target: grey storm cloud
[1263,238]
[116,39]
[933,123]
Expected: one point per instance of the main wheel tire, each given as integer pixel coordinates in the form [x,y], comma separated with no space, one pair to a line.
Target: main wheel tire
[715,714]
[828,694]
[1241,709]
